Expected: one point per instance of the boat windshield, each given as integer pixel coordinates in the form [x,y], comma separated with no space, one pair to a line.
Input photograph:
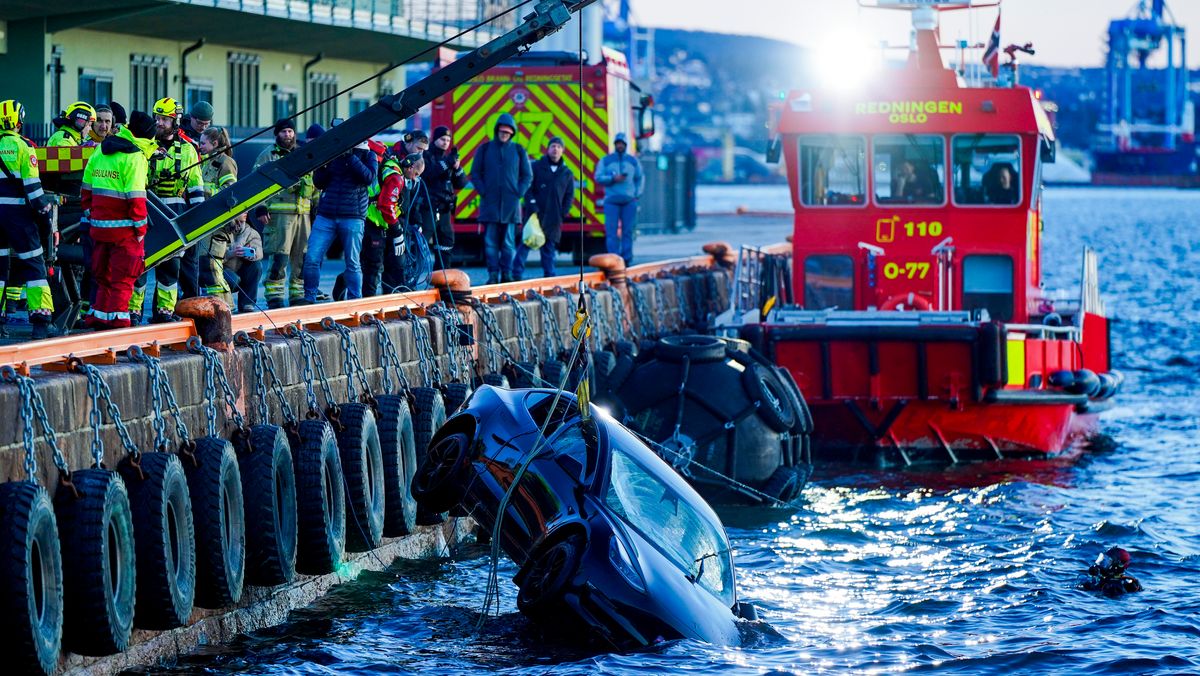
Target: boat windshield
[668,521]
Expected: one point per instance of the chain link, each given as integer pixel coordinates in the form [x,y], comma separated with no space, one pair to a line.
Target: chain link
[425,352]
[660,303]
[33,409]
[98,391]
[153,373]
[647,326]
[389,356]
[526,341]
[313,362]
[214,376]
[164,381]
[497,354]
[555,342]
[351,363]
[619,317]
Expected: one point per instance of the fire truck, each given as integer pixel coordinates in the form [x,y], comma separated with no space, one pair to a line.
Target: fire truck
[549,94]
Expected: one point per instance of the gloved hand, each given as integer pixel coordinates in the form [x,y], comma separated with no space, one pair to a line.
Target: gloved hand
[396,238]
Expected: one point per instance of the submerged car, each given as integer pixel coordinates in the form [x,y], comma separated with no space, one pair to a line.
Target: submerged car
[605,532]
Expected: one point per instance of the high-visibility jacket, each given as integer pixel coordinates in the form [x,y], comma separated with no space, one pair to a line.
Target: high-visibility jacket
[65,136]
[378,201]
[20,159]
[20,197]
[294,200]
[175,174]
[114,187]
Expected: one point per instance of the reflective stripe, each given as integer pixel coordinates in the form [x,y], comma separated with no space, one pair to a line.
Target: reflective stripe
[108,316]
[4,252]
[168,288]
[30,254]
[131,194]
[172,200]
[37,283]
[32,181]
[12,200]
[36,194]
[121,223]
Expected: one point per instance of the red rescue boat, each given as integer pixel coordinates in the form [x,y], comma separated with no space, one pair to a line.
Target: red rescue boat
[915,319]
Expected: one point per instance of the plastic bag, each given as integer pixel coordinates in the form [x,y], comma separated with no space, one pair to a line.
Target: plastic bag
[533,237]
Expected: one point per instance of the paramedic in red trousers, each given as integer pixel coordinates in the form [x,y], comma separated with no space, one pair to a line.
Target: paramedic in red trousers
[620,173]
[501,175]
[550,197]
[114,203]
[444,177]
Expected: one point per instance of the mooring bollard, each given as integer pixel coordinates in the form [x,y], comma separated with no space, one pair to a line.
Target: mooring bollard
[214,322]
[613,267]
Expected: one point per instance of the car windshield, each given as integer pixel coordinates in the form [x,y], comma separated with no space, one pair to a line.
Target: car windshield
[666,519]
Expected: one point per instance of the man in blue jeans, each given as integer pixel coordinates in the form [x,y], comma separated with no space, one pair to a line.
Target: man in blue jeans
[620,173]
[341,213]
[501,175]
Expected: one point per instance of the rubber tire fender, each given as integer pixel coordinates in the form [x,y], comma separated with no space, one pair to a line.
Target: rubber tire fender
[603,363]
[496,380]
[625,348]
[320,498]
[549,576]
[698,348]
[269,491]
[429,414]
[215,482]
[784,484]
[455,396]
[524,375]
[99,571]
[362,471]
[552,373]
[436,484]
[164,539]
[804,419]
[31,601]
[775,408]
[399,450]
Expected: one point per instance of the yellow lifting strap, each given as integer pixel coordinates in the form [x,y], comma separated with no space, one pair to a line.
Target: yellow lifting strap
[581,330]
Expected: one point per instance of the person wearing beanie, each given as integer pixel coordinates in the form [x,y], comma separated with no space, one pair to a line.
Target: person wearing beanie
[120,118]
[285,226]
[313,132]
[114,197]
[501,175]
[620,172]
[198,119]
[444,177]
[550,197]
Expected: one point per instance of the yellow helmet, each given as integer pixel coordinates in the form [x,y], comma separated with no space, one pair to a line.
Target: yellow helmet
[12,115]
[166,106]
[80,110]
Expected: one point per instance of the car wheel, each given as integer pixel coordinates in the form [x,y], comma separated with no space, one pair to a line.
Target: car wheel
[549,577]
[437,483]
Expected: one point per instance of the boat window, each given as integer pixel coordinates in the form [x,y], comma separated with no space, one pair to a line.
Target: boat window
[833,171]
[910,169]
[828,282]
[668,521]
[988,285]
[985,169]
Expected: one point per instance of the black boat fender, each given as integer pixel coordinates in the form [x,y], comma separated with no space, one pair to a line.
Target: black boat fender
[1086,382]
[362,472]
[398,448]
[269,495]
[215,484]
[496,380]
[164,539]
[552,373]
[95,529]
[429,414]
[31,578]
[775,405]
[320,497]
[697,348]
[785,484]
[456,394]
[1062,379]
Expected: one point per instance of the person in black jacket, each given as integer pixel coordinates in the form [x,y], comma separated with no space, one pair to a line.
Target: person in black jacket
[550,197]
[342,213]
[444,177]
[501,175]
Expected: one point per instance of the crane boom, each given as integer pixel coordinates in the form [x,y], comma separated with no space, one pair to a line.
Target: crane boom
[170,234]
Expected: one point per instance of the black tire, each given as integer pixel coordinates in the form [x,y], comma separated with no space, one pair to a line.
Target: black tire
[785,484]
[437,486]
[362,470]
[549,577]
[215,482]
[456,395]
[552,373]
[99,563]
[625,348]
[429,414]
[269,490]
[603,363]
[696,347]
[804,422]
[31,579]
[320,498]
[496,380]
[164,538]
[622,368]
[525,374]
[398,448]
[775,402]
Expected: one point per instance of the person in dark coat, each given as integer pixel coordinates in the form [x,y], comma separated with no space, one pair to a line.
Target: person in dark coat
[444,177]
[550,197]
[342,214]
[501,175]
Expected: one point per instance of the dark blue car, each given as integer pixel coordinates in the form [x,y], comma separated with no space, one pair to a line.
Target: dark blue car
[605,532]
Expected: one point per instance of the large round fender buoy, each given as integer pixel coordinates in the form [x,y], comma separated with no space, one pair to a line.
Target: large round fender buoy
[362,469]
[215,483]
[429,414]
[775,402]
[696,347]
[165,540]
[99,564]
[906,303]
[320,498]
[31,578]
[269,492]
[399,450]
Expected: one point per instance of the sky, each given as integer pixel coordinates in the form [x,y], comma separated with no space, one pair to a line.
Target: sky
[1064,32]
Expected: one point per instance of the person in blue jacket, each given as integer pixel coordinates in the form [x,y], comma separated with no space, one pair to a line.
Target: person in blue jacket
[620,173]
[341,214]
[501,174]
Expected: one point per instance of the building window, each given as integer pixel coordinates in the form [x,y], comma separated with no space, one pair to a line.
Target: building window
[286,104]
[359,104]
[828,283]
[322,86]
[95,87]
[910,169]
[833,171]
[988,285]
[147,80]
[985,169]
[56,71]
[243,89]
[196,91]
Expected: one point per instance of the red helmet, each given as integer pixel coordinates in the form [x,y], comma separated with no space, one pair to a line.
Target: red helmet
[1119,556]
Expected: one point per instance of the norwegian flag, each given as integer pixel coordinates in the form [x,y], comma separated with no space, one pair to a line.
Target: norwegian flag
[991,55]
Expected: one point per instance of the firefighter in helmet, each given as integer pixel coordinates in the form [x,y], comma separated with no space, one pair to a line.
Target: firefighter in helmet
[74,125]
[22,200]
[176,178]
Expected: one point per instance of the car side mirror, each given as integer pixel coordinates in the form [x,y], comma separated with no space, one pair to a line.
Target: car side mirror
[774,150]
[645,122]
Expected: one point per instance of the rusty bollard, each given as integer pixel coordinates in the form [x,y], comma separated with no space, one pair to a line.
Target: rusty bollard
[613,267]
[214,322]
[454,286]
[722,253]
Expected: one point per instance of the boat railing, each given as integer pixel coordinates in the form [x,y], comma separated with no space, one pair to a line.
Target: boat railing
[1045,330]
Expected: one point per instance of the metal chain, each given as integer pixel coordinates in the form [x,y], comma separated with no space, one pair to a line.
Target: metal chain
[435,310]
[619,316]
[492,334]
[98,391]
[33,409]
[164,382]
[389,356]
[430,365]
[660,303]
[526,341]
[215,370]
[646,327]
[351,363]
[555,342]
[153,372]
[681,301]
[459,338]
[314,363]
[601,317]
[266,377]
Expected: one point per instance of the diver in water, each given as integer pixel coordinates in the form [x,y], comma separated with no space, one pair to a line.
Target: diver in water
[1107,574]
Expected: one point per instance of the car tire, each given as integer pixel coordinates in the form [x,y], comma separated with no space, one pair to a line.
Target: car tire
[31,578]
[437,485]
[696,347]
[549,577]
[321,498]
[496,380]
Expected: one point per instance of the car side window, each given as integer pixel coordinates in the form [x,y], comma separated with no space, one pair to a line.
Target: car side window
[575,448]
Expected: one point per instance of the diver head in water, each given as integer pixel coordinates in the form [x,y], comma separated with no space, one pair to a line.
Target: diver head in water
[1107,574]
